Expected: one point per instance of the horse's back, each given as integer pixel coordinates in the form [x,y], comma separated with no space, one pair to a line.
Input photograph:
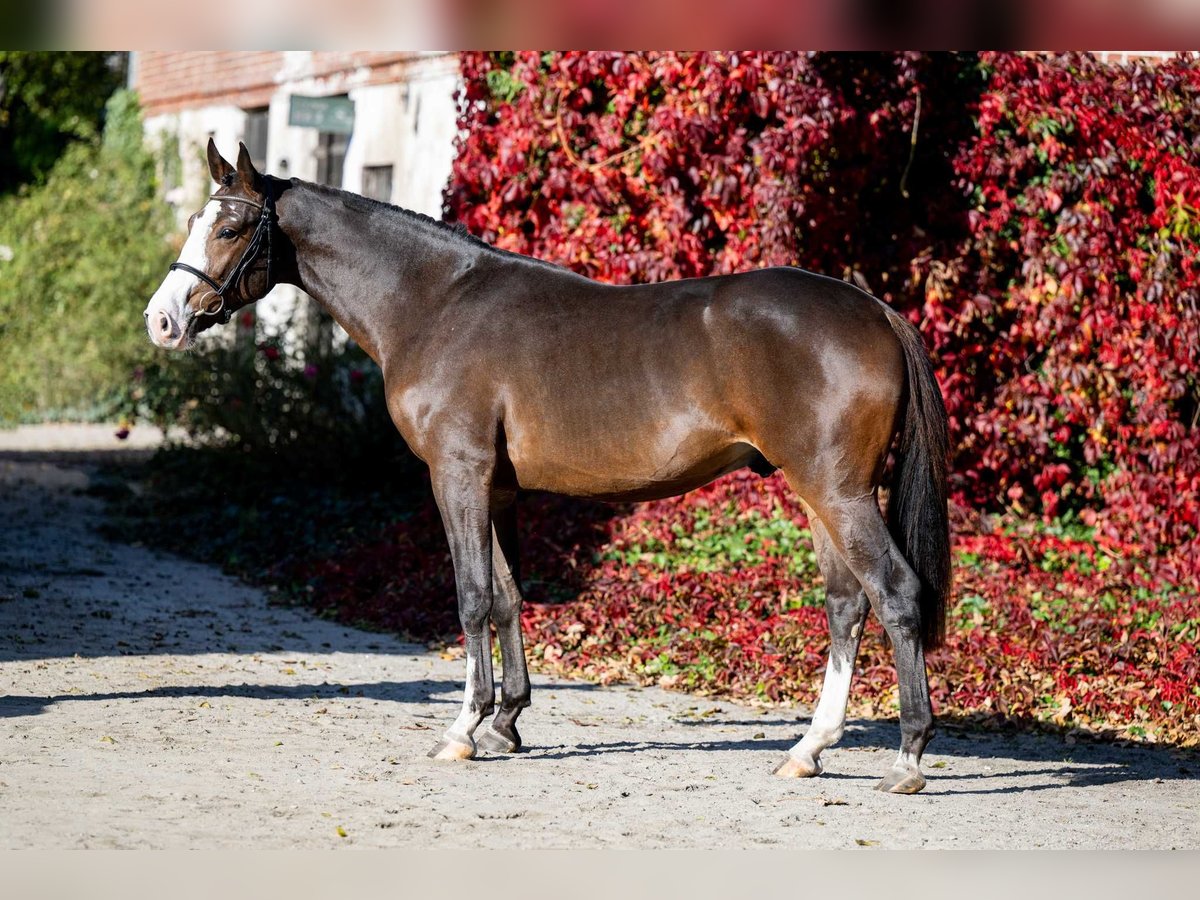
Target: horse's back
[774,314]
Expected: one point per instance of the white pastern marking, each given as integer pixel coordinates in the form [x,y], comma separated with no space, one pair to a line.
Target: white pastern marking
[468,718]
[830,718]
[171,296]
[908,762]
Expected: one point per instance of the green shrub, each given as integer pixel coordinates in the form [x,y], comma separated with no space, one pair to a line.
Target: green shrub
[79,258]
[48,101]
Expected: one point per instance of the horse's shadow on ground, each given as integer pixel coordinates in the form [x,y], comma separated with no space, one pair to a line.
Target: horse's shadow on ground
[425,691]
[1080,765]
[433,692]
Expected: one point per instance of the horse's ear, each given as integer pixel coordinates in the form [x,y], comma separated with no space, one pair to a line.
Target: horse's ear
[246,171]
[220,170]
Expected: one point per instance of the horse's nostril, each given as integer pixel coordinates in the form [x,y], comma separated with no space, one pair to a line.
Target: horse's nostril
[164,324]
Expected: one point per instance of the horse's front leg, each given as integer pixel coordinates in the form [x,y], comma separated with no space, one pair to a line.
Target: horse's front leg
[463,494]
[502,736]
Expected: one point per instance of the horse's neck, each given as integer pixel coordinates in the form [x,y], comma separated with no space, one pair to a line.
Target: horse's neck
[381,276]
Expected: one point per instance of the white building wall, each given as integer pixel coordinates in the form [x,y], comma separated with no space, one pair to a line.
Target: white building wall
[410,126]
[378,142]
[191,130]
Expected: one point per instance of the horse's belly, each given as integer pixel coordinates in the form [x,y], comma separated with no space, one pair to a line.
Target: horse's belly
[639,464]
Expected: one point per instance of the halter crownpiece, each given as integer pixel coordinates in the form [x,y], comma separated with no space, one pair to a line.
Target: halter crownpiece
[262,233]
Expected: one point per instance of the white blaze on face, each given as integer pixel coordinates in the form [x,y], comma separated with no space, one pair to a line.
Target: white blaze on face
[171,296]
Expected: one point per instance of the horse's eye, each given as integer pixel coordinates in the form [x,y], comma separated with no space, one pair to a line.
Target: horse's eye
[226,233]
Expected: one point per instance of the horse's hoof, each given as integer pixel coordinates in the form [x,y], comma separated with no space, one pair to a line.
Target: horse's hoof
[492,741]
[901,781]
[453,750]
[798,767]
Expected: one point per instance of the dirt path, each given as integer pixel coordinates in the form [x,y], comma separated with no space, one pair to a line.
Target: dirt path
[146,701]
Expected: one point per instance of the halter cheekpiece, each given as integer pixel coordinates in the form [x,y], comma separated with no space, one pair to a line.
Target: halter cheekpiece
[261,237]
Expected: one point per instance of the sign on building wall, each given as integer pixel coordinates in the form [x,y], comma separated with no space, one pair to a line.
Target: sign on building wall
[332,114]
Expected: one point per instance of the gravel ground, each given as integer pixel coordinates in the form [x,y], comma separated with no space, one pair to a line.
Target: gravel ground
[147,701]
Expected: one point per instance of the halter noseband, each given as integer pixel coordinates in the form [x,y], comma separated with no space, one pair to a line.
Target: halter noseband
[262,234]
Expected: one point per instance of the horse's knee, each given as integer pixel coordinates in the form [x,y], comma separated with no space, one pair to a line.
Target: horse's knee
[506,612]
[474,620]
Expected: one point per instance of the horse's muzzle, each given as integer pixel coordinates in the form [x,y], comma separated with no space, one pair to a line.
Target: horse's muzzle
[163,329]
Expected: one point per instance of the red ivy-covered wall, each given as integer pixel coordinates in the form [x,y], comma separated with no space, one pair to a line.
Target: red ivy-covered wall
[1037,216]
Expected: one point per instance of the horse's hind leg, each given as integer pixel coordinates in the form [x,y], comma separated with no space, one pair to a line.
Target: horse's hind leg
[502,736]
[846,607]
[857,530]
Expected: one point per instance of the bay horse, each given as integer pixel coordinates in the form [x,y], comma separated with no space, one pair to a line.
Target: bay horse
[503,373]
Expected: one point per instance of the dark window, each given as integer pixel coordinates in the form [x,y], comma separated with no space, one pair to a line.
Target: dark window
[256,137]
[377,183]
[331,157]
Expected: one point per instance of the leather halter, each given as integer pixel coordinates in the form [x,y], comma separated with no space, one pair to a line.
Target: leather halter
[261,237]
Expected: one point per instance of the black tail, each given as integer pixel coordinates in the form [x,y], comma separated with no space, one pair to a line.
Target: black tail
[917,515]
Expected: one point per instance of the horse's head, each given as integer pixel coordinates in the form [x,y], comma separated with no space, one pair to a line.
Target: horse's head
[225,262]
